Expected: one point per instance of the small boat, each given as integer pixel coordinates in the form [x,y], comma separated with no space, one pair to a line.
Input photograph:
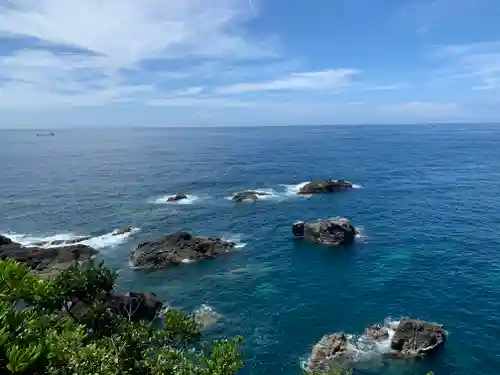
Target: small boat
[49,134]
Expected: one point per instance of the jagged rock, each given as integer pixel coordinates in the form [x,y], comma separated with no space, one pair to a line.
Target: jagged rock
[177,248]
[413,337]
[41,259]
[176,197]
[328,348]
[5,240]
[333,231]
[122,231]
[325,186]
[376,333]
[248,195]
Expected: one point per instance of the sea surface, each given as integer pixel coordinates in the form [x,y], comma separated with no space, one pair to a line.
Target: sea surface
[427,204]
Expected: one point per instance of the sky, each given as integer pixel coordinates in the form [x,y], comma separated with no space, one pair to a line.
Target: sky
[248,62]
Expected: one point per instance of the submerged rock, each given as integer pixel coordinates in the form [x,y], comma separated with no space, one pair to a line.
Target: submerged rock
[176,197]
[333,231]
[248,195]
[325,186]
[206,316]
[177,248]
[71,241]
[376,332]
[47,259]
[414,337]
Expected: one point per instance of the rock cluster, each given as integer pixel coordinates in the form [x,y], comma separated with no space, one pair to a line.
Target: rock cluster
[325,186]
[248,195]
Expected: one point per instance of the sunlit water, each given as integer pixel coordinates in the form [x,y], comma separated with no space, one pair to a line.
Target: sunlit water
[428,204]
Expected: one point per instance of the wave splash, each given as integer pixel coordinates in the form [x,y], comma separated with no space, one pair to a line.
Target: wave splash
[236,238]
[189,200]
[106,240]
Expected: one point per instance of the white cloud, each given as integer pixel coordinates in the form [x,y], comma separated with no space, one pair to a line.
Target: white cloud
[421,110]
[477,63]
[328,79]
[84,52]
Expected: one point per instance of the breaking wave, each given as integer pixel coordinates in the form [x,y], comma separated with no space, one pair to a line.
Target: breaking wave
[206,315]
[106,240]
[236,238]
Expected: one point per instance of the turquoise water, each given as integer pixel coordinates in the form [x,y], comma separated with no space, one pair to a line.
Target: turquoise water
[428,205]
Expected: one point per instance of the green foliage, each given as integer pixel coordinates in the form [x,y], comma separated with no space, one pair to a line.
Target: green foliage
[62,327]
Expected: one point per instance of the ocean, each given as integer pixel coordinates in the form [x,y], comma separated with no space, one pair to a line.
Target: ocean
[427,205]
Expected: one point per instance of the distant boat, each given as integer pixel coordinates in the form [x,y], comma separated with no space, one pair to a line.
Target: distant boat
[50,134]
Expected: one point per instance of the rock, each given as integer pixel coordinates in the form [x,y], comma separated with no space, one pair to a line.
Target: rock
[40,259]
[62,242]
[176,197]
[328,348]
[414,337]
[376,333]
[177,248]
[206,316]
[133,306]
[136,306]
[333,231]
[248,195]
[122,231]
[5,240]
[325,186]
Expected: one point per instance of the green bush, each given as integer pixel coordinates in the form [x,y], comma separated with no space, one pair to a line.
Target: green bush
[41,334]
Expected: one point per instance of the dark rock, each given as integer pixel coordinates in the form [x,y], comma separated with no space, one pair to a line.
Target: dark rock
[5,240]
[414,337]
[325,186]
[176,197]
[334,231]
[328,348]
[177,248]
[135,306]
[122,231]
[40,259]
[248,195]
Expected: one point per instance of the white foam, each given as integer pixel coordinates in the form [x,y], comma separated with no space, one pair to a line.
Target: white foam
[236,238]
[187,261]
[356,186]
[360,233]
[293,190]
[190,199]
[206,315]
[63,239]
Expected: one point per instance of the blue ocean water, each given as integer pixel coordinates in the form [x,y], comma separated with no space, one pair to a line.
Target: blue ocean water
[429,208]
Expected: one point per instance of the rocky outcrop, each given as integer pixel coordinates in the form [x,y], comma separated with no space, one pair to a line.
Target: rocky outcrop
[327,349]
[376,332]
[249,195]
[414,337]
[47,259]
[407,338]
[5,240]
[177,248]
[176,197]
[333,231]
[325,186]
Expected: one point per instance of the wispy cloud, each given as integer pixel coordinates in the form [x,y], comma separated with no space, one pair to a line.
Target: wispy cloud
[477,64]
[321,80]
[97,51]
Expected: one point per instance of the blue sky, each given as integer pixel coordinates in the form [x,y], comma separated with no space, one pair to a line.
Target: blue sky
[248,62]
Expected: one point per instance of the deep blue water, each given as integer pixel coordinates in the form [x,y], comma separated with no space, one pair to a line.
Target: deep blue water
[429,208]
